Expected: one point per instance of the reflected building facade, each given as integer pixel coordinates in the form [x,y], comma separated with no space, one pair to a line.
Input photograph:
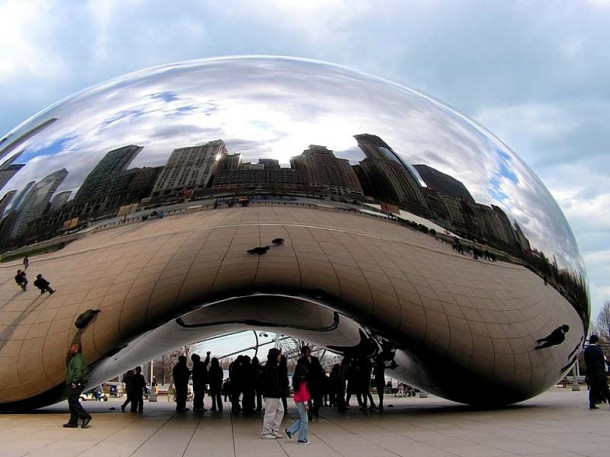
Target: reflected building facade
[392,249]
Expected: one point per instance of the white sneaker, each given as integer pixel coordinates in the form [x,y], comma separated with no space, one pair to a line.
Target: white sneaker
[277,434]
[268,437]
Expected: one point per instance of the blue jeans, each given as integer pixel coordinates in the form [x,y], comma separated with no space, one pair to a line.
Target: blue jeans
[301,424]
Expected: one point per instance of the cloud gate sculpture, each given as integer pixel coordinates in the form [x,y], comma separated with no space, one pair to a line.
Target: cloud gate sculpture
[194,200]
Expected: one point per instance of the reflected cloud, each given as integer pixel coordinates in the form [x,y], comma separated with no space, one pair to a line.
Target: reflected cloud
[275,108]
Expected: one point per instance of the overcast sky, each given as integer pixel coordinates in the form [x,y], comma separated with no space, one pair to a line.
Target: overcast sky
[534,73]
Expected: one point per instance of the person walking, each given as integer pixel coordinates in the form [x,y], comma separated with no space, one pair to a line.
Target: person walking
[181,375]
[21,280]
[301,399]
[128,386]
[272,392]
[317,381]
[77,375]
[139,386]
[26,262]
[43,285]
[200,379]
[596,373]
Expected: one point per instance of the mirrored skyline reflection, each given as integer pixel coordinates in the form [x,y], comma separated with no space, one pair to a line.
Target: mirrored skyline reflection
[274,108]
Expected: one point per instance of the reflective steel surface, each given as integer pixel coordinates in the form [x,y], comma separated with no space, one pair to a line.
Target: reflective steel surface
[254,149]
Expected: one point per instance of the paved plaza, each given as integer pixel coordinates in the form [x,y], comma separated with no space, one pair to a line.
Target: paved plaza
[555,424]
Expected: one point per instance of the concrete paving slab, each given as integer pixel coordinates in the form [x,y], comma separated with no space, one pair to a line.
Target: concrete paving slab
[557,423]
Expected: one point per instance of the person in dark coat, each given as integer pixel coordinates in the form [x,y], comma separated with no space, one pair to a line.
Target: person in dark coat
[128,385]
[215,376]
[334,385]
[257,369]
[43,285]
[284,383]
[21,280]
[556,337]
[317,380]
[181,375]
[272,392]
[596,373]
[364,383]
[76,378]
[379,379]
[236,375]
[139,386]
[199,373]
[248,386]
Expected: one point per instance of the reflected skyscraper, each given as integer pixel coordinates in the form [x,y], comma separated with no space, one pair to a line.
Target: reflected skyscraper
[450,277]
[189,168]
[327,172]
[389,177]
[36,200]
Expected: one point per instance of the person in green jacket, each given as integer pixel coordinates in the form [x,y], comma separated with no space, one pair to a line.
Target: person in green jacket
[76,379]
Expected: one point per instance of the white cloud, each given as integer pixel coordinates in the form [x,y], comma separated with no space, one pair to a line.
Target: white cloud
[534,74]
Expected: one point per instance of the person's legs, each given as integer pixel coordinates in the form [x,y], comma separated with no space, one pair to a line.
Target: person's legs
[372,403]
[296,425]
[73,397]
[593,391]
[181,392]
[277,418]
[139,402]
[198,398]
[271,407]
[304,422]
[317,403]
[76,409]
[380,392]
[127,401]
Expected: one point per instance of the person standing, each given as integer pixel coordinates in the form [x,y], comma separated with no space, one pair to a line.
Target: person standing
[26,262]
[200,379]
[21,280]
[257,368]
[139,385]
[317,380]
[128,386]
[43,285]
[215,376]
[77,375]
[284,383]
[596,373]
[379,379]
[272,392]
[181,374]
[301,399]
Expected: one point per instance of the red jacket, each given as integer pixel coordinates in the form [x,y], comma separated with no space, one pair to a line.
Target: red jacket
[302,395]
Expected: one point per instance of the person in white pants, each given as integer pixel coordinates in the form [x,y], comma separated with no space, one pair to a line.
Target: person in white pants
[274,409]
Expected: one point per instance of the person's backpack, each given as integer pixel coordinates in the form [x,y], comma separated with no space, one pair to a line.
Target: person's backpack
[83,320]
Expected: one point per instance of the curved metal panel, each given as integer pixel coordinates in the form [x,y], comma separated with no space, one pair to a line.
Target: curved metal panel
[158,193]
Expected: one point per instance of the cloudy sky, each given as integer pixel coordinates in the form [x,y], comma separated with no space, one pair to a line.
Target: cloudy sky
[534,73]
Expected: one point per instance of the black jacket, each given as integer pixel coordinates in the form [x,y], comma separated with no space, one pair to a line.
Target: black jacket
[271,383]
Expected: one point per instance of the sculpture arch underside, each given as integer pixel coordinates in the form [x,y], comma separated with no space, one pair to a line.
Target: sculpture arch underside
[456,326]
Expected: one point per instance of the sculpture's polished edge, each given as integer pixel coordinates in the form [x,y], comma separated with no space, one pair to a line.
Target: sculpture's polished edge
[366,283]
[158,192]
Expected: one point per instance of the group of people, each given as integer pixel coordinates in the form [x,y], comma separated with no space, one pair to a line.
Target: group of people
[40,282]
[201,377]
[273,385]
[135,386]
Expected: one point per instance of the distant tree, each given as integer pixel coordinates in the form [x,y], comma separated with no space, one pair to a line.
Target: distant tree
[603,323]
